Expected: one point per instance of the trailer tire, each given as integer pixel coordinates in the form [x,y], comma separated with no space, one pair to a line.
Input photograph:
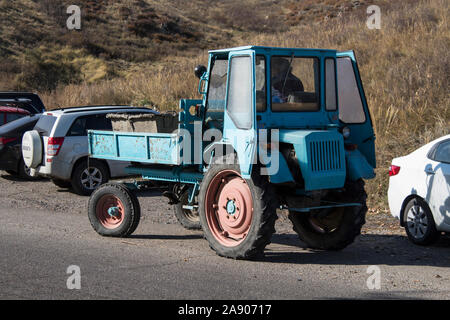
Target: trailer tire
[341,232]
[189,219]
[253,210]
[114,210]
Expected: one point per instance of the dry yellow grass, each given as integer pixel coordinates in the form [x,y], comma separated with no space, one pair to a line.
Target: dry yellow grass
[405,68]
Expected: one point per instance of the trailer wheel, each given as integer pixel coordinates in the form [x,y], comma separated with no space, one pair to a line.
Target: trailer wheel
[114,210]
[237,215]
[189,219]
[339,227]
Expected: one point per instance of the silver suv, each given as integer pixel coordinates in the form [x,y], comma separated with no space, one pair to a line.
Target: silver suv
[57,147]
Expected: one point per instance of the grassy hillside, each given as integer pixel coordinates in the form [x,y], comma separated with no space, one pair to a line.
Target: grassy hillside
[143,52]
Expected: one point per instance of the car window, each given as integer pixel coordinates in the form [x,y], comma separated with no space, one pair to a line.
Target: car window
[13,116]
[99,122]
[78,127]
[45,124]
[91,122]
[21,125]
[442,153]
[2,118]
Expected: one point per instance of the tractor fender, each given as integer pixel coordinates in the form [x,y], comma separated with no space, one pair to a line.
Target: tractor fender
[357,166]
[283,174]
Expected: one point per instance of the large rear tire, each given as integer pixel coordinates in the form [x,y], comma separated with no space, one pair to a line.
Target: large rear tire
[339,227]
[114,210]
[237,215]
[189,219]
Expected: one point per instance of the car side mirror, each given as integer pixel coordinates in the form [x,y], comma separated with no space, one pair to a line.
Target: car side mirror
[200,71]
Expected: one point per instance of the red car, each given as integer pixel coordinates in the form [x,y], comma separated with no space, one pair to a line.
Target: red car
[8,114]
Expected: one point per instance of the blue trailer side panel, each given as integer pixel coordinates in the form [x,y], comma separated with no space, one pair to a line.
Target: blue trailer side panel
[152,148]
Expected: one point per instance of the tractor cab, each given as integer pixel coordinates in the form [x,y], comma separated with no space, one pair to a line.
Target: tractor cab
[300,93]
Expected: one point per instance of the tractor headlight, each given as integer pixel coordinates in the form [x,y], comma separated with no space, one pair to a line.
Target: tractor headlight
[346,132]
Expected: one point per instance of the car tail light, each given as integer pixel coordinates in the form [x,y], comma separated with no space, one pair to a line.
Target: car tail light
[53,146]
[4,141]
[394,170]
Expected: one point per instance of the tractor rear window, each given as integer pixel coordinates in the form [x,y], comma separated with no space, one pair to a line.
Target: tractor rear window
[295,84]
[218,86]
[45,125]
[350,105]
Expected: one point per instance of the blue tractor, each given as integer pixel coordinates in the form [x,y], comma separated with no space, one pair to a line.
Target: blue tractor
[277,128]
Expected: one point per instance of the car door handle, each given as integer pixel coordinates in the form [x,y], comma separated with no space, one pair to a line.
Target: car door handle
[429,171]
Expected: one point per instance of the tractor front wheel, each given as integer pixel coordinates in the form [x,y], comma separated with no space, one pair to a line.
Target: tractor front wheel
[237,215]
[336,228]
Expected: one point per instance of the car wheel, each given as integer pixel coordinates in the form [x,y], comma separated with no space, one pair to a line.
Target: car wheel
[61,183]
[419,223]
[85,179]
[24,171]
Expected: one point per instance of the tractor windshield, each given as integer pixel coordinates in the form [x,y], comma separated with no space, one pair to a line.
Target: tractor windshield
[295,84]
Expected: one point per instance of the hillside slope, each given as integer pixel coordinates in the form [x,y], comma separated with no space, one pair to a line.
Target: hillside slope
[38,51]
[143,52]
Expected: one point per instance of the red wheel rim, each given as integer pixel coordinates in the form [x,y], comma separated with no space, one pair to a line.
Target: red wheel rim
[110,211]
[229,208]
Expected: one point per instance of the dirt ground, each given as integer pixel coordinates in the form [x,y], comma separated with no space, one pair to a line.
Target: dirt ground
[44,195]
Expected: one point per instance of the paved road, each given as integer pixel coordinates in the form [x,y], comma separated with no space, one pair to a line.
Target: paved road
[164,261]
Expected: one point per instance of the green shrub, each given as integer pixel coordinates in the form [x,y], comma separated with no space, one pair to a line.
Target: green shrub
[44,74]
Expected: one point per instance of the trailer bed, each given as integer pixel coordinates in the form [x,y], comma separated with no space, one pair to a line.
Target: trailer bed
[151,148]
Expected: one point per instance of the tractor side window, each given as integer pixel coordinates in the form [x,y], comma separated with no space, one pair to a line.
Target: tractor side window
[295,84]
[240,92]
[260,78]
[351,109]
[330,85]
[217,93]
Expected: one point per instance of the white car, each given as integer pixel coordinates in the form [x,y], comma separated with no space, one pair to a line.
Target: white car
[419,191]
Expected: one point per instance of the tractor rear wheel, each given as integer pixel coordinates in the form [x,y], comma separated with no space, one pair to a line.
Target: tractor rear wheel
[237,215]
[336,228]
[186,217]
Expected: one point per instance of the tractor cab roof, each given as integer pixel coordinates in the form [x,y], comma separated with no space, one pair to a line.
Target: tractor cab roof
[274,50]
